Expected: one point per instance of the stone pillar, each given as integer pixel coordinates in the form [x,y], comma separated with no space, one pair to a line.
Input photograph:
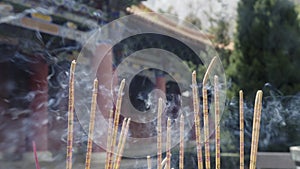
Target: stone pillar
[39,117]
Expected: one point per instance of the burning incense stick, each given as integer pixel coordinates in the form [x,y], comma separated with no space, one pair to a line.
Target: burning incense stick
[181,151]
[109,137]
[116,121]
[120,141]
[206,129]
[91,126]
[159,137]
[149,162]
[197,120]
[208,70]
[168,143]
[217,122]
[242,165]
[37,164]
[70,117]
[119,157]
[256,128]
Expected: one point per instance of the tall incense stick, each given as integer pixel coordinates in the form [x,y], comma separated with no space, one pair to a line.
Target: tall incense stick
[242,165]
[149,162]
[119,157]
[91,126]
[256,128]
[116,121]
[206,128]
[197,120]
[159,137]
[120,141]
[217,122]
[109,138]
[168,143]
[181,151]
[70,117]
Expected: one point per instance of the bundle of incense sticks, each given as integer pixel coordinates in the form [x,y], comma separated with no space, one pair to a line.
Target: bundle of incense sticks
[159,137]
[241,130]
[217,122]
[114,163]
[70,117]
[255,129]
[91,125]
[197,120]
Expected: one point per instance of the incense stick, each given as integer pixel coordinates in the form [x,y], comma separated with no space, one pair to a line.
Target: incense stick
[159,137]
[109,138]
[149,162]
[91,126]
[116,121]
[242,165]
[217,122]
[70,117]
[120,141]
[208,70]
[181,151]
[206,129]
[119,157]
[197,120]
[256,128]
[37,164]
[168,143]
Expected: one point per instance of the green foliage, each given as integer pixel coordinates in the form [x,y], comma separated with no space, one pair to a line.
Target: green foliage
[267,47]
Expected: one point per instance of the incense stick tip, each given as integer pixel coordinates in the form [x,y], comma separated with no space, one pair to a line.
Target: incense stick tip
[123,81]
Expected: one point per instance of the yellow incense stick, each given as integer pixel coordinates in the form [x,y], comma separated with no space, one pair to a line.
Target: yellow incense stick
[120,141]
[197,120]
[118,161]
[70,116]
[206,129]
[181,151]
[168,143]
[116,121]
[208,70]
[242,165]
[149,162]
[109,137]
[159,137]
[91,126]
[217,122]
[256,128]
